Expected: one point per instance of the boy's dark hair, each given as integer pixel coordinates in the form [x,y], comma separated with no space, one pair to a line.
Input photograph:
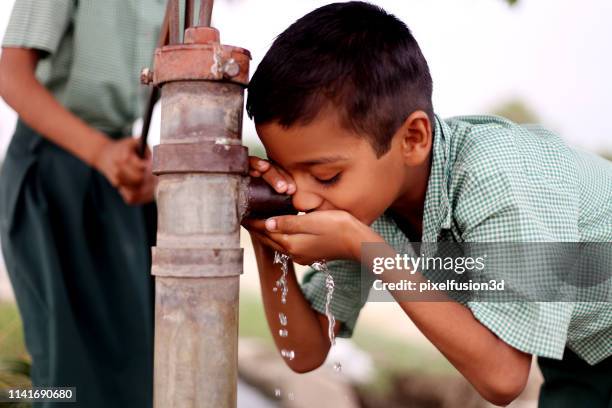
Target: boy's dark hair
[354,56]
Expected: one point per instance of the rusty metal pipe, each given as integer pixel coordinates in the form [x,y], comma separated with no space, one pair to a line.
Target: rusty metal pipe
[203,193]
[205,18]
[198,260]
[201,167]
[174,21]
[189,10]
[260,200]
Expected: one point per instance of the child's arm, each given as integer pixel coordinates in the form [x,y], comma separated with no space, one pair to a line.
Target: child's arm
[307,329]
[497,370]
[37,107]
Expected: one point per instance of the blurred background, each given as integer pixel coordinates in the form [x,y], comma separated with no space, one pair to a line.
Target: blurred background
[532,61]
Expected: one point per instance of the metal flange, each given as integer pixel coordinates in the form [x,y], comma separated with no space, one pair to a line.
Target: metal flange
[200,62]
[201,157]
[197,262]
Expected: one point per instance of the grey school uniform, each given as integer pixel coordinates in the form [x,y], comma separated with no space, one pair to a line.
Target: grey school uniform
[78,256]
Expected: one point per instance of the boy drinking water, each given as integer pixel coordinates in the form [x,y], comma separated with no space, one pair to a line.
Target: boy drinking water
[342,104]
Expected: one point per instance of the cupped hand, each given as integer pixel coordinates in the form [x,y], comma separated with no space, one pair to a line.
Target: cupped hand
[329,235]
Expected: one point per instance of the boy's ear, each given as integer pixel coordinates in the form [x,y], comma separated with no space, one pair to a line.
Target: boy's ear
[415,138]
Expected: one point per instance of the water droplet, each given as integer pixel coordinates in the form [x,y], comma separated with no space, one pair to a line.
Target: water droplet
[277,392]
[288,354]
[283,333]
[282,318]
[282,281]
[319,266]
[337,367]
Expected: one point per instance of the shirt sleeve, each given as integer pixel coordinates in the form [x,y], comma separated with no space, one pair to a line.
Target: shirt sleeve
[502,207]
[38,24]
[347,300]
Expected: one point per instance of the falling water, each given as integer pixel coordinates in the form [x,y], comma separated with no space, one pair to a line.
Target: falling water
[282,319]
[282,281]
[321,266]
[288,354]
[282,284]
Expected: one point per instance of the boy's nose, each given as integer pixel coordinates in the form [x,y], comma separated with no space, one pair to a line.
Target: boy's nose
[306,201]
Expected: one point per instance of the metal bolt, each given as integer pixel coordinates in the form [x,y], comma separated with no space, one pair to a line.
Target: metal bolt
[146,76]
[231,68]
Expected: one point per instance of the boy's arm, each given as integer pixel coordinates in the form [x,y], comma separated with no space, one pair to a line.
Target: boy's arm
[307,328]
[498,371]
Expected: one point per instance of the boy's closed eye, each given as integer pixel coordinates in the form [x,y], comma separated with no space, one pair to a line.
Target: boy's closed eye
[328,181]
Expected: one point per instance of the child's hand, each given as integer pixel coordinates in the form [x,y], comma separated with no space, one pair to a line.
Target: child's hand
[280,181]
[278,178]
[329,235]
[119,162]
[145,191]
[140,194]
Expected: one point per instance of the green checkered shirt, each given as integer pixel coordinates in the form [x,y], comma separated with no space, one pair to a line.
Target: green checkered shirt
[94,52]
[494,181]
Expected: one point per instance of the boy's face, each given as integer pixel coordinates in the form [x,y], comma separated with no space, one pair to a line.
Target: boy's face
[336,169]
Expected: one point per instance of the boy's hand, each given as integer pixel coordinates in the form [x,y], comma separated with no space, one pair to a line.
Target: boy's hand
[280,181]
[329,235]
[145,191]
[141,194]
[119,162]
[278,178]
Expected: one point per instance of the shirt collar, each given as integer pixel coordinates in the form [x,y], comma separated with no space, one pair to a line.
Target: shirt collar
[437,213]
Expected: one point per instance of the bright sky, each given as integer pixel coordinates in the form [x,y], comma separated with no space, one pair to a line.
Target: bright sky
[556,56]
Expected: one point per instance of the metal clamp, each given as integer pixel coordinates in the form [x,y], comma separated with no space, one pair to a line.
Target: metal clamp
[200,158]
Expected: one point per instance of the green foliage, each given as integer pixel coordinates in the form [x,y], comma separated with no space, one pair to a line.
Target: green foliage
[11,333]
[517,111]
[256,149]
[253,318]
[14,361]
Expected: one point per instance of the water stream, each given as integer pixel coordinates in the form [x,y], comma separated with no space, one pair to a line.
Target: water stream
[281,283]
[321,266]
